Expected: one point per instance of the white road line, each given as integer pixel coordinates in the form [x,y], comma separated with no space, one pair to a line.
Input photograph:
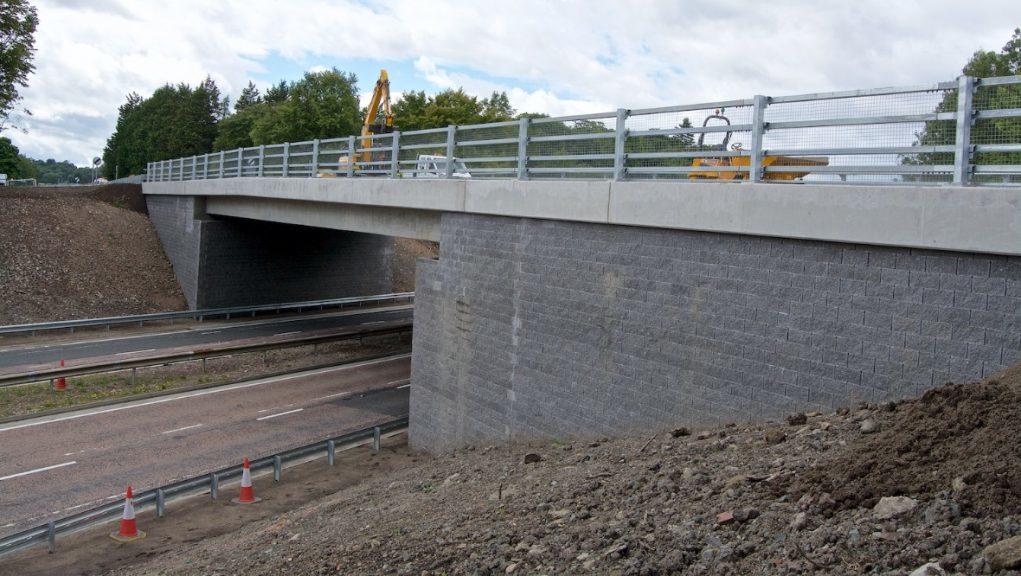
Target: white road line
[181,429]
[288,333]
[135,351]
[405,386]
[43,469]
[270,416]
[186,395]
[398,382]
[332,396]
[213,332]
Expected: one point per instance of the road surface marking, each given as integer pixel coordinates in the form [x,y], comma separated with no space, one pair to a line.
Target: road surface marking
[398,382]
[213,332]
[332,396]
[181,429]
[43,469]
[270,416]
[135,351]
[405,386]
[288,333]
[186,395]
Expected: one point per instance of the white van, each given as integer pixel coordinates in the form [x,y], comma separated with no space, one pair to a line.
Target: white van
[436,167]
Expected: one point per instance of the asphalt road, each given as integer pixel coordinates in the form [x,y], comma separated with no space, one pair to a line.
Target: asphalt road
[192,336]
[54,466]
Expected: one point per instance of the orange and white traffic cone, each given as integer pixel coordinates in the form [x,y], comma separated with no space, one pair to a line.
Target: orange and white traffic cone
[60,383]
[247,494]
[128,530]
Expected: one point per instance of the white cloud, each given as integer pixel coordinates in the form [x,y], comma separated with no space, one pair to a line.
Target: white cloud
[554,57]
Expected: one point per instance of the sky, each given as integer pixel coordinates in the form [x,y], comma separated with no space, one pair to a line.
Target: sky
[554,57]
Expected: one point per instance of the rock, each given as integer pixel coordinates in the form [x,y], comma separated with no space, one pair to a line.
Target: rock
[868,426]
[892,506]
[958,484]
[800,521]
[535,551]
[724,518]
[736,481]
[930,569]
[1004,555]
[532,458]
[704,435]
[773,437]
[511,568]
[798,419]
[682,431]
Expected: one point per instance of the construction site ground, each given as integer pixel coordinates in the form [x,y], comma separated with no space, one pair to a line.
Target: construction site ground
[884,489]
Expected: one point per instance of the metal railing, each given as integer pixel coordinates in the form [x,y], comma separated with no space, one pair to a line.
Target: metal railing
[165,359]
[966,131]
[209,481]
[201,315]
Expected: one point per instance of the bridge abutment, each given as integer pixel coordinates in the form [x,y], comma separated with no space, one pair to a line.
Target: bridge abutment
[538,328]
[222,262]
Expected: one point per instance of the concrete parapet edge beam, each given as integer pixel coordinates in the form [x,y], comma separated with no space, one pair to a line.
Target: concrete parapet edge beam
[964,219]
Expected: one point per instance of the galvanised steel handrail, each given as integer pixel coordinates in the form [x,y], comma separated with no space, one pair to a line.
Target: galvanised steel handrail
[656,142]
[201,315]
[157,497]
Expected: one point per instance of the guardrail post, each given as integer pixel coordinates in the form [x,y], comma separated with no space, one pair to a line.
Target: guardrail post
[395,153]
[205,166]
[181,170]
[262,159]
[451,136]
[161,502]
[277,465]
[375,439]
[193,167]
[286,161]
[241,160]
[619,144]
[331,451]
[223,155]
[523,148]
[51,536]
[962,140]
[350,156]
[314,168]
[758,128]
[214,485]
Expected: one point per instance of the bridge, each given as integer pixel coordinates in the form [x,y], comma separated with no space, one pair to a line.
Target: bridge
[610,272]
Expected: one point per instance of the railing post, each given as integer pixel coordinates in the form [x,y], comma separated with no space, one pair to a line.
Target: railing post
[395,153]
[619,144]
[758,128]
[331,451]
[241,160]
[314,168]
[180,172]
[523,148]
[220,165]
[286,161]
[451,136]
[161,502]
[193,167]
[350,156]
[262,159]
[277,467]
[962,140]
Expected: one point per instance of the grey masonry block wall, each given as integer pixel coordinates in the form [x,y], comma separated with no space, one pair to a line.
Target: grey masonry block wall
[535,328]
[234,262]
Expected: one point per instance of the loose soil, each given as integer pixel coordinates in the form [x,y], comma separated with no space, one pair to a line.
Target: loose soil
[81,252]
[407,251]
[735,500]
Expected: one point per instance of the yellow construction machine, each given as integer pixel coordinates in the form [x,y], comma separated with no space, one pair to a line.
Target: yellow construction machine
[374,123]
[721,163]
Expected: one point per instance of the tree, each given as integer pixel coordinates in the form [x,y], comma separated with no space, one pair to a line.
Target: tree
[249,97]
[417,111]
[320,105]
[12,163]
[985,131]
[18,21]
[277,93]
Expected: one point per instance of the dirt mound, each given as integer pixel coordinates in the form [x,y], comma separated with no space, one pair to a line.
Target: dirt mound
[407,251]
[966,431]
[80,252]
[717,502]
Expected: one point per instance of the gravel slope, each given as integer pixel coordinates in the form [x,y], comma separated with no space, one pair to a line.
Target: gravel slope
[874,490]
[79,253]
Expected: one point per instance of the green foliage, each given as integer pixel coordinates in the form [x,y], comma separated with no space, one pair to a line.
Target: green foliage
[249,97]
[8,158]
[175,121]
[982,64]
[52,172]
[320,105]
[417,111]
[18,21]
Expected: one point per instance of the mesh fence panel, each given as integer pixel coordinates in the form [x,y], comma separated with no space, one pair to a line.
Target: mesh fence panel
[693,153]
[570,148]
[997,139]
[488,151]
